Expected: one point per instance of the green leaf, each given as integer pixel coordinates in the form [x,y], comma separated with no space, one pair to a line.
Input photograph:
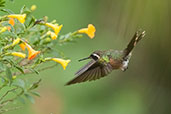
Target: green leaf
[35,85]
[2,3]
[29,97]
[32,21]
[78,36]
[19,83]
[10,61]
[7,11]
[19,68]
[20,99]
[9,74]
[35,71]
[24,9]
[2,66]
[35,93]
[3,81]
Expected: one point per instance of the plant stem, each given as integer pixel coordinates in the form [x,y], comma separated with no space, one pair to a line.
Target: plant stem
[7,93]
[9,109]
[3,103]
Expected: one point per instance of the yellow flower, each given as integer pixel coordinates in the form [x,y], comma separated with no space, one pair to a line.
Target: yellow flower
[22,46]
[90,31]
[55,27]
[52,35]
[33,7]
[18,54]
[31,52]
[16,41]
[3,29]
[20,17]
[63,62]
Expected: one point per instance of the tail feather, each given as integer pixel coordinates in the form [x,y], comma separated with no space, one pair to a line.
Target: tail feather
[136,38]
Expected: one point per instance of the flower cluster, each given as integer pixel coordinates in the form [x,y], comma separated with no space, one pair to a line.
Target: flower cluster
[27,43]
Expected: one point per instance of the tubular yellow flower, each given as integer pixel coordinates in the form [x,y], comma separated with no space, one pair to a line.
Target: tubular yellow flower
[22,46]
[55,27]
[52,35]
[63,62]
[16,41]
[20,17]
[90,31]
[33,7]
[3,29]
[18,54]
[31,52]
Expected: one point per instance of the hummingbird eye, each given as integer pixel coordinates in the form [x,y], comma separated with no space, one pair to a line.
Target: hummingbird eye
[95,56]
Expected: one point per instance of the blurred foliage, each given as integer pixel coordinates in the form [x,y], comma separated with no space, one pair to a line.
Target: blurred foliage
[2,2]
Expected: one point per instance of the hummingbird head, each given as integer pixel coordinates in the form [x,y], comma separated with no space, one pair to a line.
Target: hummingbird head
[95,56]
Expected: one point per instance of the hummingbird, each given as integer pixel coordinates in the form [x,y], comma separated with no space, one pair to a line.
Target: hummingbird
[104,62]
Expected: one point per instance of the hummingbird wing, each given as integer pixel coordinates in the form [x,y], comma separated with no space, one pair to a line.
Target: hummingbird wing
[86,67]
[91,71]
[135,39]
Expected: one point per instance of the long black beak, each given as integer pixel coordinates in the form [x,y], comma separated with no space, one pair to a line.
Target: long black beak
[84,59]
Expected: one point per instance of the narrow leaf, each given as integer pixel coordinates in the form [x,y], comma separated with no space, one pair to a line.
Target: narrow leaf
[19,68]
[35,85]
[19,83]
[9,74]
[2,66]
[35,93]
[7,11]
[30,98]
[20,99]
[35,71]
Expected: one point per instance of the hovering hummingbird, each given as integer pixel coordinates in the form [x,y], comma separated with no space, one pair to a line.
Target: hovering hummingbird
[103,62]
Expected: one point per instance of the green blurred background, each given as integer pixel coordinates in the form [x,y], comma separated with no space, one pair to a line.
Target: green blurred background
[143,89]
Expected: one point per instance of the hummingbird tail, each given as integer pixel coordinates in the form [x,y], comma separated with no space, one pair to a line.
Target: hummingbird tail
[136,38]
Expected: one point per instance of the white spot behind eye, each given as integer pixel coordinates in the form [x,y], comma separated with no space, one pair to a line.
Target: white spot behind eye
[94,54]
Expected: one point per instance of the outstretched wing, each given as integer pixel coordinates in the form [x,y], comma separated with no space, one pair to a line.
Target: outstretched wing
[91,71]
